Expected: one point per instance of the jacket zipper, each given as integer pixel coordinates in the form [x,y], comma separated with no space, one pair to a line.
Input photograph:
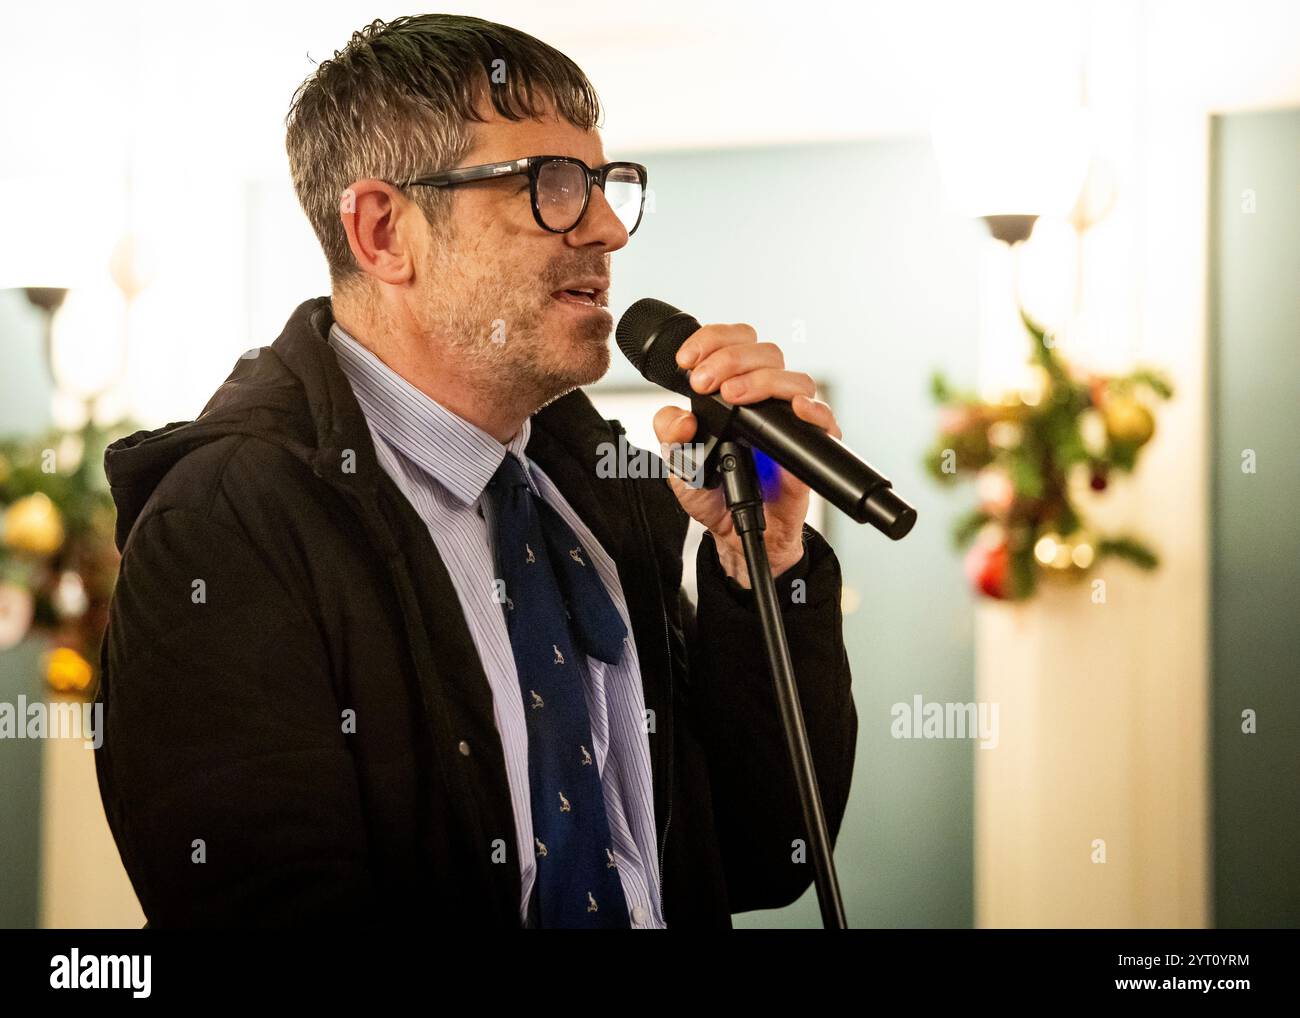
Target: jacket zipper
[668,650]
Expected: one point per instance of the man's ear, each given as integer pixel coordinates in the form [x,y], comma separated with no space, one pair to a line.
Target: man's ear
[371,211]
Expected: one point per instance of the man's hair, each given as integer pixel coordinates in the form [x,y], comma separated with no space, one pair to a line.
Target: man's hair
[397,103]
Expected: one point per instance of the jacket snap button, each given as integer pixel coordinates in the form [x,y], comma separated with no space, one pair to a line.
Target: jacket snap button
[463,747]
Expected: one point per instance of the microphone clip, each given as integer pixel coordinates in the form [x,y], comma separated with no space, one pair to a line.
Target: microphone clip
[696,462]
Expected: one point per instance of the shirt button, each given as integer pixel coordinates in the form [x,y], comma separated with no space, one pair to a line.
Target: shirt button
[639,914]
[463,747]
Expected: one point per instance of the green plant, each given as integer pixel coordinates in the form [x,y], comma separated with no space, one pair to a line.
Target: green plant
[1024,451]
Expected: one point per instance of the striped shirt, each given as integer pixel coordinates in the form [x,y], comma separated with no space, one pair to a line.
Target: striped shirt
[442,464]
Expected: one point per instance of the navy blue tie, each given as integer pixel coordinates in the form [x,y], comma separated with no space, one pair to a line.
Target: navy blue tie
[557,611]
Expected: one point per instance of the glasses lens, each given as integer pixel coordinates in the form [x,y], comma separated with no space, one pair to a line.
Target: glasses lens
[561,189]
[624,193]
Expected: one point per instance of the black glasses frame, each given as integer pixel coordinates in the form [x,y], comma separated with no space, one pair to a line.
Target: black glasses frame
[532,167]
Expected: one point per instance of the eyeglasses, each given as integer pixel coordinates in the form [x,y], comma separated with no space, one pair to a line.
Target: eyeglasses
[561,187]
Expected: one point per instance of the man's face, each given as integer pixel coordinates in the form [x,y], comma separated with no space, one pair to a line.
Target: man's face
[488,295]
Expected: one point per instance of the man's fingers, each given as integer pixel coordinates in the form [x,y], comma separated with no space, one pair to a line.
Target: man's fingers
[814,411]
[736,359]
[674,426]
[766,382]
[712,337]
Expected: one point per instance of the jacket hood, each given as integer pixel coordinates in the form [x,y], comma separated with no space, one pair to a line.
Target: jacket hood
[284,393]
[293,393]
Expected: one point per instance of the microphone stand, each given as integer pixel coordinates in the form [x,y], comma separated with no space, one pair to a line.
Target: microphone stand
[731,464]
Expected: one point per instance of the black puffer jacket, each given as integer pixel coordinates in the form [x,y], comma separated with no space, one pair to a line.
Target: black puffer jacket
[265,591]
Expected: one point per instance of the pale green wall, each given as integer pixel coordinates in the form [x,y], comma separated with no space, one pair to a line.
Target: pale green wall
[24,407]
[24,380]
[855,241]
[1255,518]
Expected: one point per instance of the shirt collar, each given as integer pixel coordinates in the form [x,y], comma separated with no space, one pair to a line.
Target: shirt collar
[461,456]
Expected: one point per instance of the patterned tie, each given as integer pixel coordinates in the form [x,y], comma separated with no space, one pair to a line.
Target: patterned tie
[557,611]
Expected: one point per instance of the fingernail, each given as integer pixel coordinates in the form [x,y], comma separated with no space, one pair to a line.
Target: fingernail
[702,380]
[735,388]
[686,356]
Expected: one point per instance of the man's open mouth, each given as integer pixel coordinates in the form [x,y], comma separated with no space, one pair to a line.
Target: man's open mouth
[589,291]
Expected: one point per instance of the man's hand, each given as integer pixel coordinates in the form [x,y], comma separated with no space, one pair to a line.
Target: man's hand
[730,358]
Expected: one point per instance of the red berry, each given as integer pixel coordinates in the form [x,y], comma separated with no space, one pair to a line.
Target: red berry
[988,567]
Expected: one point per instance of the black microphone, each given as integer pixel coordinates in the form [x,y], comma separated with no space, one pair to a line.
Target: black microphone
[651,332]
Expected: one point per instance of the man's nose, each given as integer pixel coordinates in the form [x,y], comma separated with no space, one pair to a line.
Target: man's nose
[599,225]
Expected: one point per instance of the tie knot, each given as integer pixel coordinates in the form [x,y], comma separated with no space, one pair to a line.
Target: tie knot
[510,474]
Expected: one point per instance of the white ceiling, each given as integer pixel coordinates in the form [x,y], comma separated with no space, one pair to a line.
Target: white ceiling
[206,86]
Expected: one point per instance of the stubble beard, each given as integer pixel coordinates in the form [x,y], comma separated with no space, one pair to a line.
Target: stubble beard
[505,342]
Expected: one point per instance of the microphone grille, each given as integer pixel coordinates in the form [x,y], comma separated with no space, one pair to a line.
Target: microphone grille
[638,324]
[652,348]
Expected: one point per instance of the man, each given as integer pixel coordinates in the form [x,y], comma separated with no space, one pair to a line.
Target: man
[385,648]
